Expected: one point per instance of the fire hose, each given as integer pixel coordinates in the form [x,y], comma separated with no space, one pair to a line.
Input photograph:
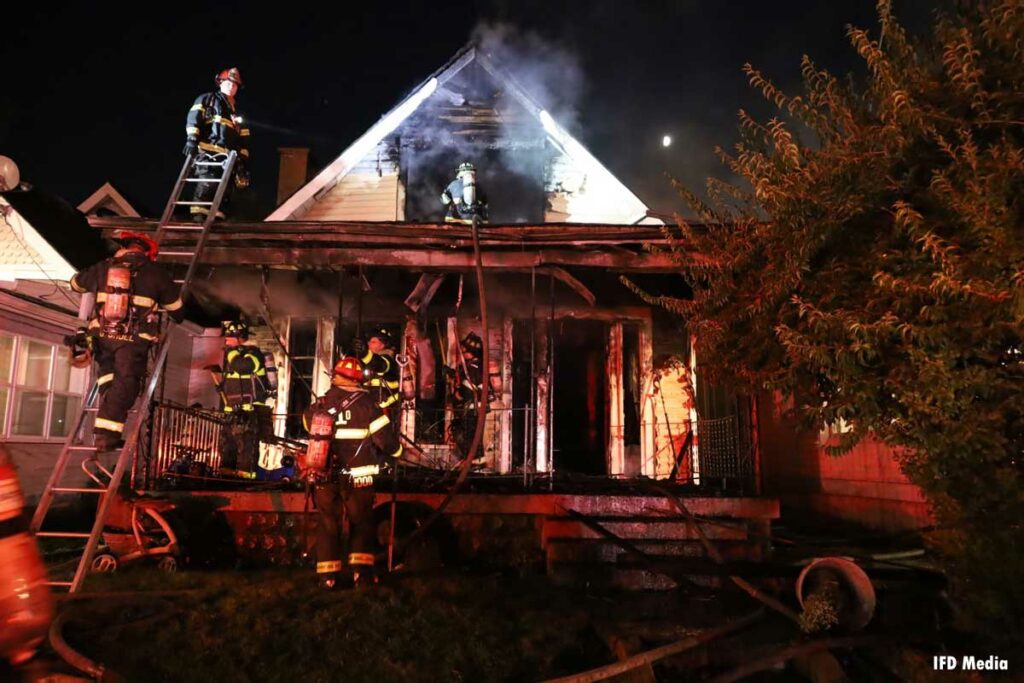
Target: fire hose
[478,432]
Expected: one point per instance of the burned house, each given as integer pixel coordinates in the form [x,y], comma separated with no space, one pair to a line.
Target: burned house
[587,383]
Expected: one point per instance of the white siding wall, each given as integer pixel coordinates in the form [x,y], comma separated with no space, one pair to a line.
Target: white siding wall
[370,192]
[576,196]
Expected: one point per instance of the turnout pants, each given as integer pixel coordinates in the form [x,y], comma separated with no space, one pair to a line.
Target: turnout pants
[240,438]
[121,367]
[205,191]
[330,498]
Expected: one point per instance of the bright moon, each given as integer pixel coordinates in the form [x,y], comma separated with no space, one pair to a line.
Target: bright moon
[666,141]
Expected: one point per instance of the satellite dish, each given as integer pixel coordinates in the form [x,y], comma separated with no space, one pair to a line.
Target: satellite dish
[10,178]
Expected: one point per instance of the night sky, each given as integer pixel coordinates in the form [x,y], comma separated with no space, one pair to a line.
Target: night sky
[92,94]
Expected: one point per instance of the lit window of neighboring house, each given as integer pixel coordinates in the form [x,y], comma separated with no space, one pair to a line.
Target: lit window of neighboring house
[40,393]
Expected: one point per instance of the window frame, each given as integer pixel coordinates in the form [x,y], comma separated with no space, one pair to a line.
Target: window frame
[9,382]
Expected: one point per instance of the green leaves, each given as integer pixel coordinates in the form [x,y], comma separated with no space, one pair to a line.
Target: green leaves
[880,269]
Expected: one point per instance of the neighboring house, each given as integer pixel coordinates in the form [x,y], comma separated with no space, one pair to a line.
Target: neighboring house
[40,393]
[107,201]
[864,486]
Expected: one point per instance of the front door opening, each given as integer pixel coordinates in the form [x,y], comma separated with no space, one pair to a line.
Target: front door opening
[580,396]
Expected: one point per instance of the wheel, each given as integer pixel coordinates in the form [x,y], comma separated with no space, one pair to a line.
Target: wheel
[168,564]
[104,563]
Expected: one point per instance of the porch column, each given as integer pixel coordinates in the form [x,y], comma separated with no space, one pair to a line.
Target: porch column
[616,456]
[324,364]
[648,450]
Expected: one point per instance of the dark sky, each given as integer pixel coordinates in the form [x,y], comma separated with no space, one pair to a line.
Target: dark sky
[96,93]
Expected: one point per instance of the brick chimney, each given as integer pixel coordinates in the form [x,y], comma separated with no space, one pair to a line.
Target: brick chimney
[291,172]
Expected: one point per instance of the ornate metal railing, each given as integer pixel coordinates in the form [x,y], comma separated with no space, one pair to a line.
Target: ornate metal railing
[183,440]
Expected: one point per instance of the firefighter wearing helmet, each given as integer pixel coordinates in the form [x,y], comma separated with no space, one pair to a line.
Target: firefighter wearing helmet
[131,294]
[362,441]
[377,355]
[247,383]
[464,199]
[214,128]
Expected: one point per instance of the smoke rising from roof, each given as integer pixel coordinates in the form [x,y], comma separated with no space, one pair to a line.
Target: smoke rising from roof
[548,72]
[476,117]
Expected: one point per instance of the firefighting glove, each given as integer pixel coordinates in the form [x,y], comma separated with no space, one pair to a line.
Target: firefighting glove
[359,346]
[191,147]
[79,339]
[242,178]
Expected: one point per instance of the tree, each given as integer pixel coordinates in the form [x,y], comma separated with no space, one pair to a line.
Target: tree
[876,273]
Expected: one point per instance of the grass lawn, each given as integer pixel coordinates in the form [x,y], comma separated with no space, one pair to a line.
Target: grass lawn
[279,626]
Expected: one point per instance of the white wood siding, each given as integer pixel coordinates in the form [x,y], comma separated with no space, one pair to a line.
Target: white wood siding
[369,192]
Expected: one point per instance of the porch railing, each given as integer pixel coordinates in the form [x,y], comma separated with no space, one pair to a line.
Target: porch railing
[179,436]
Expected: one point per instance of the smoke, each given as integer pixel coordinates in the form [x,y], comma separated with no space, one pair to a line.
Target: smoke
[474,117]
[308,294]
[548,72]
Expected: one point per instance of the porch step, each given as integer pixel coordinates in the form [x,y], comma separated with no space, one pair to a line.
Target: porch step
[641,528]
[606,551]
[613,577]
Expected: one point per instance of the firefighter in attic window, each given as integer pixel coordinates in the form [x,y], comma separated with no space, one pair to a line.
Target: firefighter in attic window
[463,198]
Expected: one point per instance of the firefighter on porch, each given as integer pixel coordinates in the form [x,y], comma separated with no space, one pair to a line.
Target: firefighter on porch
[131,293]
[468,393]
[247,383]
[464,199]
[383,379]
[347,424]
[214,128]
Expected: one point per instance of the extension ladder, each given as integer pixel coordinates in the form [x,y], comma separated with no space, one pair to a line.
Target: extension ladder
[76,444]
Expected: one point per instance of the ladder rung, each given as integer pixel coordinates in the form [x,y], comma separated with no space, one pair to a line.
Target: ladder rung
[179,282]
[177,253]
[204,180]
[82,448]
[61,584]
[66,489]
[182,227]
[62,534]
[194,203]
[208,163]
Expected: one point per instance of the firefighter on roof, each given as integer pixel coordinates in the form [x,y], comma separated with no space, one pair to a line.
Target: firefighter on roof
[131,292]
[247,383]
[213,129]
[463,198]
[383,379]
[362,440]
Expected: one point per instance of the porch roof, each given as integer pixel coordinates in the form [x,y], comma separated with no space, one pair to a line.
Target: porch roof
[426,246]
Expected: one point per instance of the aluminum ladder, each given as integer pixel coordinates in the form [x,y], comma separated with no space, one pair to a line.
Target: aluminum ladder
[76,444]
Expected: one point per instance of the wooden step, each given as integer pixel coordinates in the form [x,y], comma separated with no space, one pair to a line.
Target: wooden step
[607,551]
[612,577]
[640,528]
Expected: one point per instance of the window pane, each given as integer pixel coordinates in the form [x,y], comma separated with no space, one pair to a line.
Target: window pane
[62,418]
[6,349]
[3,410]
[29,413]
[34,364]
[65,377]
